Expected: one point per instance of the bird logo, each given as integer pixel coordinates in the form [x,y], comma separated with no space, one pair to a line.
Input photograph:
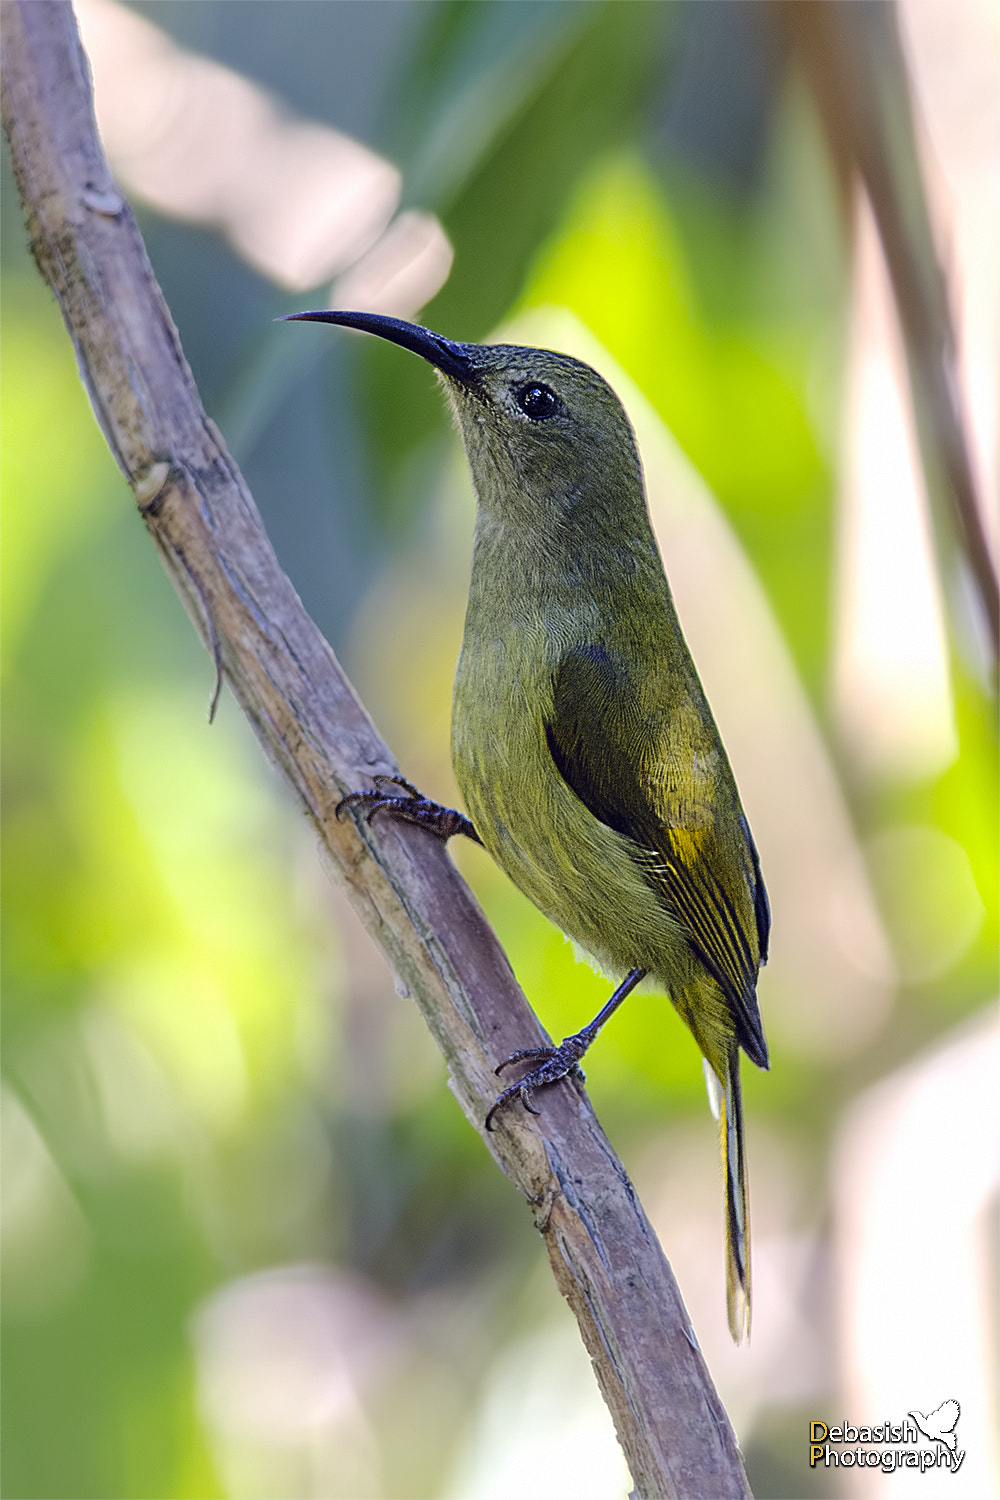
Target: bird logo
[939,1424]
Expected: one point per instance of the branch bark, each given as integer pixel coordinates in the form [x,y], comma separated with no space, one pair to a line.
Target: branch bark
[605,1257]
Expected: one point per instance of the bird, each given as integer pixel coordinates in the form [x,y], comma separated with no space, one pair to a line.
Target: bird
[582,741]
[939,1424]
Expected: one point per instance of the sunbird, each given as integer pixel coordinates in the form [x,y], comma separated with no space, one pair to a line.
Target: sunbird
[582,740]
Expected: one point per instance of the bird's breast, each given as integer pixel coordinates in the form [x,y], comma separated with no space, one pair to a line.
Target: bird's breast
[581,873]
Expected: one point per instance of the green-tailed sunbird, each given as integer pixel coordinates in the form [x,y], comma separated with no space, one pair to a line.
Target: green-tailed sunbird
[582,741]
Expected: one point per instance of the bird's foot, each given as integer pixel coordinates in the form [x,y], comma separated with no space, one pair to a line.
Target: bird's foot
[400,800]
[552,1063]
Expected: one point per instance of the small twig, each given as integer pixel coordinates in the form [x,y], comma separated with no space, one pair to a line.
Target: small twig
[604,1254]
[210,636]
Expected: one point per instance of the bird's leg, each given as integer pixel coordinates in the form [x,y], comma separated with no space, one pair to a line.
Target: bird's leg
[554,1063]
[398,799]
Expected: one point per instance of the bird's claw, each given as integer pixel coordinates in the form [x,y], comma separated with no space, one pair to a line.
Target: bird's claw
[380,799]
[523,1055]
[553,1063]
[408,805]
[508,1093]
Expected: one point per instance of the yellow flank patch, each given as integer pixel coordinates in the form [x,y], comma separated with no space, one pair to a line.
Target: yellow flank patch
[687,844]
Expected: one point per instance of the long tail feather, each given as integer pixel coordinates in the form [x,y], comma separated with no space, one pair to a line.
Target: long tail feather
[737,1202]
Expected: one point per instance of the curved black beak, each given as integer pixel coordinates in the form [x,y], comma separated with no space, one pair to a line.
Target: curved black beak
[453,360]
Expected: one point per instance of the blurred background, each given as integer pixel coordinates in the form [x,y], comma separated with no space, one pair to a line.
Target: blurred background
[251,1247]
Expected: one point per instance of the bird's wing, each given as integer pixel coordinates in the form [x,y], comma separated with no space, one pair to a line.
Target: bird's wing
[761,905]
[618,760]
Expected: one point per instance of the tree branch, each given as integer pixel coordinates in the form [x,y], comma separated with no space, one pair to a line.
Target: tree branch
[853,58]
[604,1254]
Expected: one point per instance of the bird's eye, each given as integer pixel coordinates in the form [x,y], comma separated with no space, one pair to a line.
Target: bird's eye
[537,402]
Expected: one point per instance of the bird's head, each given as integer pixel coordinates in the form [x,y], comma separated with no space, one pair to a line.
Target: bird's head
[545,435]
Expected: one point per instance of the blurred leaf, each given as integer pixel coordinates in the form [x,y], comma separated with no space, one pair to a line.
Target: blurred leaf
[474,70]
[592,101]
[54,463]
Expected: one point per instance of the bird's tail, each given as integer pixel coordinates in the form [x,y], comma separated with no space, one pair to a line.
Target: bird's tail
[734,1174]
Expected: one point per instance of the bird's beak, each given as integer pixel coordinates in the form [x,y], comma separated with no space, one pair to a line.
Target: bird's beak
[453,360]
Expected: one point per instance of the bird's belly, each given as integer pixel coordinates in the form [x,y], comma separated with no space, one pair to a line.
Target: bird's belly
[582,874]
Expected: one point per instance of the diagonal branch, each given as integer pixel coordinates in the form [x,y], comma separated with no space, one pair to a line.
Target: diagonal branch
[604,1254]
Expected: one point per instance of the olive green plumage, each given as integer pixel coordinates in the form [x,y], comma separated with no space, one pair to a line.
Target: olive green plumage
[586,752]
